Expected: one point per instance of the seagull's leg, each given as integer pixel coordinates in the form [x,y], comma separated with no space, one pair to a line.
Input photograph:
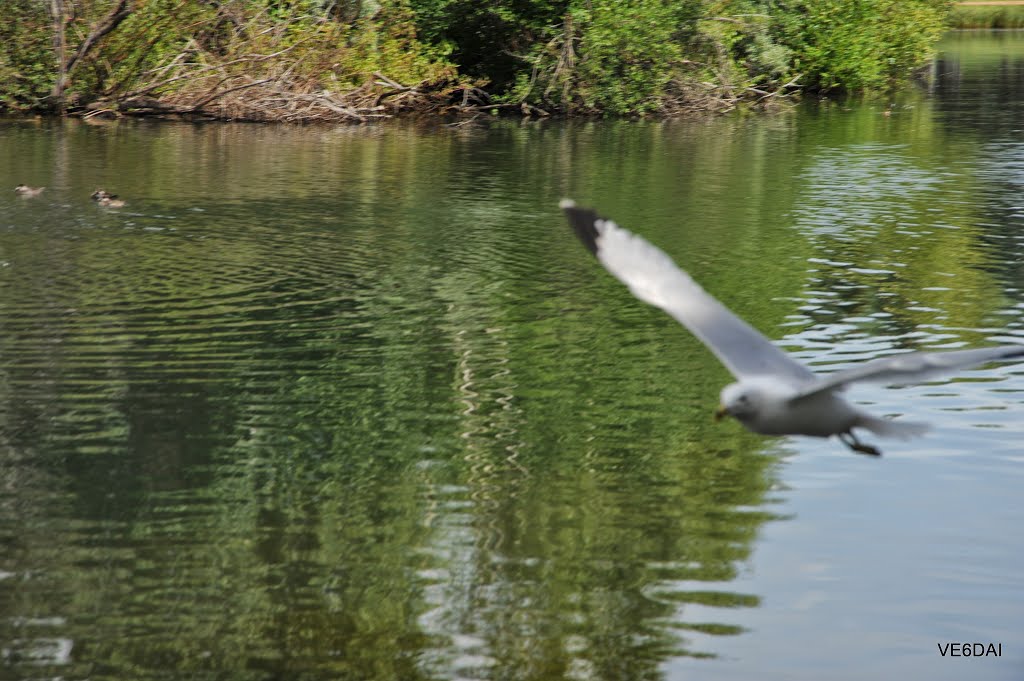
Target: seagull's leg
[851,441]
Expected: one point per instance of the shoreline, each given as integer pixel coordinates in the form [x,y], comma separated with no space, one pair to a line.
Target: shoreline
[233,61]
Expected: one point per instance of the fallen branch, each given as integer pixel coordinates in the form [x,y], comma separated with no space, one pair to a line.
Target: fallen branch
[218,95]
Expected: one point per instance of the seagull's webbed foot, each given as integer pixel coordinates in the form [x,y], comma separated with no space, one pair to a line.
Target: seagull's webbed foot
[851,441]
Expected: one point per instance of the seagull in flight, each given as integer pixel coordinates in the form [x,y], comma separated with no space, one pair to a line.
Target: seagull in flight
[773,393]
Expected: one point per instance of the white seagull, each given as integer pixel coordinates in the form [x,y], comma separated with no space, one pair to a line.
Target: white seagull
[773,393]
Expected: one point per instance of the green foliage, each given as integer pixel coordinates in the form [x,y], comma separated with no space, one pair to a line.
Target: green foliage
[162,47]
[628,50]
[490,40]
[157,32]
[26,55]
[859,45]
[312,48]
[388,42]
[619,57]
[626,56]
[987,16]
[606,57]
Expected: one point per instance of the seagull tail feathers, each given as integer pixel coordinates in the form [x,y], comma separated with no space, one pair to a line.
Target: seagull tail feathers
[901,430]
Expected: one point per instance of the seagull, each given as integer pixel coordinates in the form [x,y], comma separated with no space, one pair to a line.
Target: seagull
[773,394]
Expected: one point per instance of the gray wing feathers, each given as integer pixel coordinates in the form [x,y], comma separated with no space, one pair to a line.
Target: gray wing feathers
[654,278]
[914,367]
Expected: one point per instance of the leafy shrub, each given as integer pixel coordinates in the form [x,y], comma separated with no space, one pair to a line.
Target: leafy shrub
[617,57]
[987,16]
[859,45]
[628,52]
[26,55]
[489,40]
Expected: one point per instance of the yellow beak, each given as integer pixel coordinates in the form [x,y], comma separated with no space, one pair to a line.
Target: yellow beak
[721,412]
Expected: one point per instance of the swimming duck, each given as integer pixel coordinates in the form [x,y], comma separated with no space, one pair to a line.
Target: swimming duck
[28,192]
[105,198]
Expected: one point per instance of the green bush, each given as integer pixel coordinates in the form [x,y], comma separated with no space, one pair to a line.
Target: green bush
[987,16]
[628,50]
[838,44]
[491,40]
[610,57]
[26,56]
[183,51]
[628,56]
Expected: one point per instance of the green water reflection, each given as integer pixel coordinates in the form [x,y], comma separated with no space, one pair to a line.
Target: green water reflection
[364,423]
[349,403]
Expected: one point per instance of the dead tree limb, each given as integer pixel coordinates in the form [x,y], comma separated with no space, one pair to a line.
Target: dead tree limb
[66,64]
[196,108]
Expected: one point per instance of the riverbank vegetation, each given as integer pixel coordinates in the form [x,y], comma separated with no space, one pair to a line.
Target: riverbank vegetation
[357,60]
[994,15]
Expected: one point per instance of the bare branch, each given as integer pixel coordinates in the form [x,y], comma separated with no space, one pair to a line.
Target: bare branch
[118,14]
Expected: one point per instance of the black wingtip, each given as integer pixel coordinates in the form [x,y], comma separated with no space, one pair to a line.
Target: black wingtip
[584,222]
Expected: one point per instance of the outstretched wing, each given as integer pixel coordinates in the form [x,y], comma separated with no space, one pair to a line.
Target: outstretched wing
[654,278]
[913,367]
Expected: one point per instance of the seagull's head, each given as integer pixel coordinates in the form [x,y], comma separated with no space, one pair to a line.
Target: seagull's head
[739,400]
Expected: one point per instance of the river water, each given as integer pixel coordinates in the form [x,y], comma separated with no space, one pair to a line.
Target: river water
[352,403]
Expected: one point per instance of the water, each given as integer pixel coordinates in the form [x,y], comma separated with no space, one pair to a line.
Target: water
[332,403]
